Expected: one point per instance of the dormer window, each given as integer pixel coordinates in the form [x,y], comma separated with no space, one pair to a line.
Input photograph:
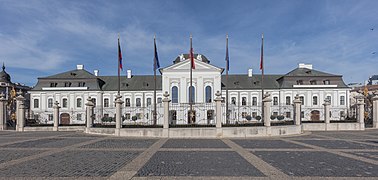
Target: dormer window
[67,84]
[53,84]
[81,84]
[313,82]
[326,82]
[299,82]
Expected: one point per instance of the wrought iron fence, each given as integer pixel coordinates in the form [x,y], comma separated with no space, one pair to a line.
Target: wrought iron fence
[201,114]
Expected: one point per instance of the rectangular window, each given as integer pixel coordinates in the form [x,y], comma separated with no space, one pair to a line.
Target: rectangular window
[233,100]
[315,100]
[159,100]
[78,102]
[275,100]
[127,102]
[67,84]
[49,103]
[288,100]
[244,114]
[254,114]
[275,114]
[81,84]
[313,82]
[244,101]
[342,100]
[127,116]
[326,82]
[138,102]
[79,117]
[106,102]
[329,98]
[64,103]
[53,84]
[148,101]
[288,114]
[299,82]
[36,103]
[51,117]
[301,98]
[254,101]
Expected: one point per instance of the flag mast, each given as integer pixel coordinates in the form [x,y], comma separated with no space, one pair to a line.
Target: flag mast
[119,65]
[262,75]
[191,82]
[227,68]
[155,66]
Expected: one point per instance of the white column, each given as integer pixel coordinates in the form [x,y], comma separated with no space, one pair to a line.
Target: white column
[375,110]
[56,116]
[20,113]
[267,101]
[89,111]
[118,103]
[218,102]
[297,110]
[3,112]
[361,112]
[326,111]
[166,101]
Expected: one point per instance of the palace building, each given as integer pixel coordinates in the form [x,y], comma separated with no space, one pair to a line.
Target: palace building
[71,90]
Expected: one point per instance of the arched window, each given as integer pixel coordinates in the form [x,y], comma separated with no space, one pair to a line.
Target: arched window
[302,99]
[106,102]
[275,100]
[50,103]
[149,102]
[64,103]
[244,101]
[78,102]
[174,94]
[192,94]
[208,94]
[342,100]
[254,101]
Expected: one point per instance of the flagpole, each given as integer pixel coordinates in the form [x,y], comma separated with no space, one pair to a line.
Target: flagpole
[262,76]
[227,68]
[119,78]
[191,82]
[155,120]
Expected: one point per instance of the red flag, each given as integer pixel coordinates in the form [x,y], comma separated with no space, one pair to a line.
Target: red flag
[191,55]
[262,53]
[119,55]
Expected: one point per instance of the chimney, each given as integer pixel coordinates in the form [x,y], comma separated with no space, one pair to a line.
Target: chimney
[128,74]
[79,67]
[249,72]
[96,72]
[303,65]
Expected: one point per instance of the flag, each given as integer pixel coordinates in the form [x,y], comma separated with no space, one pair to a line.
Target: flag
[262,53]
[227,57]
[191,55]
[119,55]
[156,58]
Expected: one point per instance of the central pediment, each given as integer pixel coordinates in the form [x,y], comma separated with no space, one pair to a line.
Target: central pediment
[184,65]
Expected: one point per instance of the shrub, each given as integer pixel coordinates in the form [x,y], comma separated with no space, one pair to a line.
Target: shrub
[280,117]
[134,118]
[273,117]
[248,117]
[258,118]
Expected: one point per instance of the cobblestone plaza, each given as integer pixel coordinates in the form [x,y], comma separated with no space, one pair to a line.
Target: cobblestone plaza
[74,155]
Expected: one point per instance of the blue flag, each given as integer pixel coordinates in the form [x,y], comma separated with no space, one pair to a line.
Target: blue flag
[156,58]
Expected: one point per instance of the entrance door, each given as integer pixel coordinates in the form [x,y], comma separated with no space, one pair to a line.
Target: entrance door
[64,118]
[315,115]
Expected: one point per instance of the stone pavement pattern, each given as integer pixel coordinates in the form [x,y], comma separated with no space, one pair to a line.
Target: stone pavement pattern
[74,155]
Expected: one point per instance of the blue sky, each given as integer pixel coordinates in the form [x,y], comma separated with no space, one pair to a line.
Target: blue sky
[45,37]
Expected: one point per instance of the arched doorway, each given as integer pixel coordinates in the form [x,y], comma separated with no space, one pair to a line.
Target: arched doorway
[315,115]
[64,118]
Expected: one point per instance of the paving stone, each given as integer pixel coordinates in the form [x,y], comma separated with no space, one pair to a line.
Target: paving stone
[337,144]
[121,143]
[11,139]
[72,164]
[47,143]
[273,144]
[369,155]
[8,155]
[298,163]
[195,143]
[204,163]
[347,136]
